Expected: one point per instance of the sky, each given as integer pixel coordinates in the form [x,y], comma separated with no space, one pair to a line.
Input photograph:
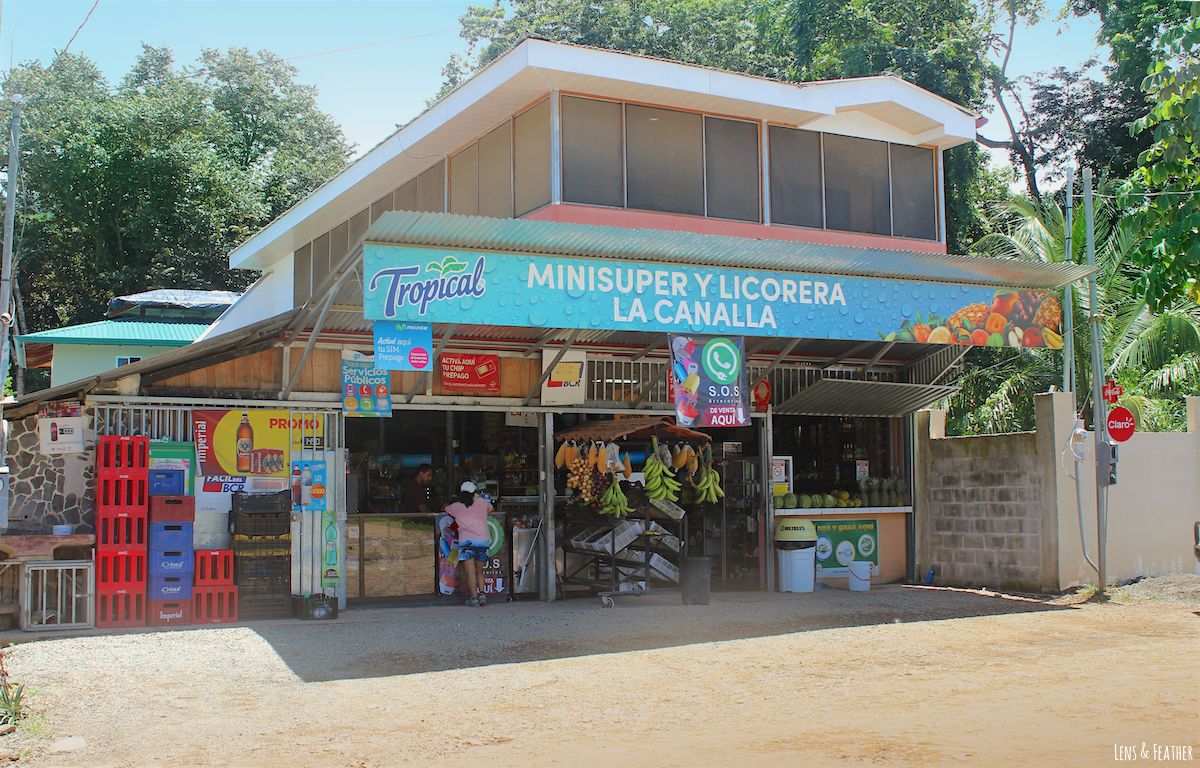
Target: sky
[399,46]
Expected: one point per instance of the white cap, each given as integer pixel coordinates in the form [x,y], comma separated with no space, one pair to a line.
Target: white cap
[467,487]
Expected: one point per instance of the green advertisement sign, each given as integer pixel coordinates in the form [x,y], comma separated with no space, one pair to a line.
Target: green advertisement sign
[840,542]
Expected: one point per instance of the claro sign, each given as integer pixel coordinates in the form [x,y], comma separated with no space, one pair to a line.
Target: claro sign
[507,289]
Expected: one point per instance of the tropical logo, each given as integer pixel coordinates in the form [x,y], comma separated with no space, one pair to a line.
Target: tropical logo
[447,267]
[444,280]
[721,360]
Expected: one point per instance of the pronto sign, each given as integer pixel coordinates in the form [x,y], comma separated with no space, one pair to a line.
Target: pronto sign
[409,284]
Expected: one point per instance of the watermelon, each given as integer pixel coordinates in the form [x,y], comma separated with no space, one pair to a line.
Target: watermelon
[805,501]
[791,501]
[829,502]
[779,503]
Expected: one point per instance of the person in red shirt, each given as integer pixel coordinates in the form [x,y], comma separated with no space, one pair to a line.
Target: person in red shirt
[416,493]
[471,513]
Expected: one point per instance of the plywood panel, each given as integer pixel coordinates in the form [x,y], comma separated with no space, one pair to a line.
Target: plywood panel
[512,377]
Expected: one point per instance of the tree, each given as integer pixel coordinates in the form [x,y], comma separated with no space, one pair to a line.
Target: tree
[151,184]
[936,44]
[1162,193]
[1155,355]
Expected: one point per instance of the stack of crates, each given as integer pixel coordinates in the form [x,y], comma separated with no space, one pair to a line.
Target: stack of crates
[262,554]
[122,530]
[172,560]
[214,596]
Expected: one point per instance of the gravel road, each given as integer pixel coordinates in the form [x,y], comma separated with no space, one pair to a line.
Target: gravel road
[893,676]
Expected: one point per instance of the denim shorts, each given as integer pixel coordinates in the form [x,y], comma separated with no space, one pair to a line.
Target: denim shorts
[473,549]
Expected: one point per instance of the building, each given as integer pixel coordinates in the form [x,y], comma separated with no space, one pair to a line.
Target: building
[135,327]
[574,205]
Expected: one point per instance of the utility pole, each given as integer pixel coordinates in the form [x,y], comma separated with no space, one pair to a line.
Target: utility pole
[1098,403]
[10,214]
[1068,302]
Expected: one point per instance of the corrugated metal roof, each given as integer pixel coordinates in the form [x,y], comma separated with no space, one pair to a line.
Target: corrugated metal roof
[446,230]
[148,333]
[852,397]
[636,428]
[174,297]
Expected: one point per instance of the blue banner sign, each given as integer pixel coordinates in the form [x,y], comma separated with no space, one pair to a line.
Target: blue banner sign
[480,288]
[403,346]
[366,390]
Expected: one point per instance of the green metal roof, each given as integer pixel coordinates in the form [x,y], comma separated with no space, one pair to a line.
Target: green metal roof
[445,230]
[143,332]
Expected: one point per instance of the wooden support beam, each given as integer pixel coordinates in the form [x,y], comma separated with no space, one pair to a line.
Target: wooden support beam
[882,351]
[658,342]
[550,368]
[437,353]
[665,369]
[849,353]
[778,359]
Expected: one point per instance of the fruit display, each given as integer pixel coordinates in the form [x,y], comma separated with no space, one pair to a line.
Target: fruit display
[1013,319]
[708,487]
[660,480]
[592,473]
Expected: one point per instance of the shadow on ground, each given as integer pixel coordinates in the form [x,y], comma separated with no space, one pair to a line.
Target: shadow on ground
[385,642]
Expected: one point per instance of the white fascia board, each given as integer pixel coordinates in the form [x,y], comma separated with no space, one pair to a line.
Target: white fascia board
[957,122]
[549,58]
[264,247]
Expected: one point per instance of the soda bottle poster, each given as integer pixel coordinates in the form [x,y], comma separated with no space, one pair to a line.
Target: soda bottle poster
[252,442]
[331,571]
[709,381]
[60,428]
[308,486]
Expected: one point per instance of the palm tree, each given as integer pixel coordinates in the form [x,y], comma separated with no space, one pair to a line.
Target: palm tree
[1155,356]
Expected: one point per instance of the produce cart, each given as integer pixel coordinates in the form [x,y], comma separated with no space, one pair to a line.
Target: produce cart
[623,529]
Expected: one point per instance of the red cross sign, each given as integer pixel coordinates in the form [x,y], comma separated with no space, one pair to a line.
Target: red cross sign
[1112,392]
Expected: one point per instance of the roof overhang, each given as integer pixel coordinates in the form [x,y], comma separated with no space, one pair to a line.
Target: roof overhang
[532,69]
[445,230]
[854,397]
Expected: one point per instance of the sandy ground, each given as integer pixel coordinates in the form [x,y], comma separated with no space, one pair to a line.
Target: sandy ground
[896,676]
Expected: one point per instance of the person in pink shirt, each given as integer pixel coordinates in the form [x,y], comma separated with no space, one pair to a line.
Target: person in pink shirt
[471,514]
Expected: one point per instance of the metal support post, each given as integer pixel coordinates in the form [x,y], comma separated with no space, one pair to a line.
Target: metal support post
[767,532]
[1068,302]
[549,575]
[1098,406]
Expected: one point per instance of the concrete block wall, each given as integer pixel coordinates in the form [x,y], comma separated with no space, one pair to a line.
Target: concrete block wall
[982,509]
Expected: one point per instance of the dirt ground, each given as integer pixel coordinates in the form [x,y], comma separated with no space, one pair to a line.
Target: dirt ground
[897,676]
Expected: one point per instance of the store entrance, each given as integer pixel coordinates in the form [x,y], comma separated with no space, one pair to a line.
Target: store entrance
[394,546]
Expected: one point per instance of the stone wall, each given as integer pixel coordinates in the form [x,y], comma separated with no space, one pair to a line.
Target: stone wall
[985,516]
[47,490]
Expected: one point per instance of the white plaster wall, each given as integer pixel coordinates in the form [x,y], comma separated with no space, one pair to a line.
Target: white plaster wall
[1151,510]
[269,296]
[78,361]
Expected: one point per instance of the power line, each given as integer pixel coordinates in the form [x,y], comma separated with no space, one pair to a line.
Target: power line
[81,26]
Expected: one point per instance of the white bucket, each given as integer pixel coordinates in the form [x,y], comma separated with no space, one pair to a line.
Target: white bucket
[62,530]
[860,575]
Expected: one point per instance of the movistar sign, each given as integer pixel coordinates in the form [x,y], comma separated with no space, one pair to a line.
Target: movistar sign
[506,289]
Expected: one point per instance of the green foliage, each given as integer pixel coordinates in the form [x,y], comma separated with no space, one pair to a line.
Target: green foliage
[12,697]
[151,184]
[1162,191]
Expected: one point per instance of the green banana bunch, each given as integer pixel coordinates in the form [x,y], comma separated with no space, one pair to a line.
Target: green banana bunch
[660,484]
[709,488]
[614,502]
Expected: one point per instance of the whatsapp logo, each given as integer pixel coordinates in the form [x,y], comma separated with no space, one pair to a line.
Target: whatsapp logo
[722,361]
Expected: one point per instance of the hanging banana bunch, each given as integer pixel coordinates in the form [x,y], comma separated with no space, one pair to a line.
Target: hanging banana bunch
[659,481]
[613,502]
[708,488]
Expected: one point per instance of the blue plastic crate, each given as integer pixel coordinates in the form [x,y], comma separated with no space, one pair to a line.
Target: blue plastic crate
[174,587]
[167,482]
[171,562]
[171,535]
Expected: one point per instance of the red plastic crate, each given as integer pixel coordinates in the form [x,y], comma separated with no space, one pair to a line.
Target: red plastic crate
[120,608]
[116,455]
[122,530]
[118,494]
[121,568]
[172,509]
[214,568]
[214,605]
[168,613]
